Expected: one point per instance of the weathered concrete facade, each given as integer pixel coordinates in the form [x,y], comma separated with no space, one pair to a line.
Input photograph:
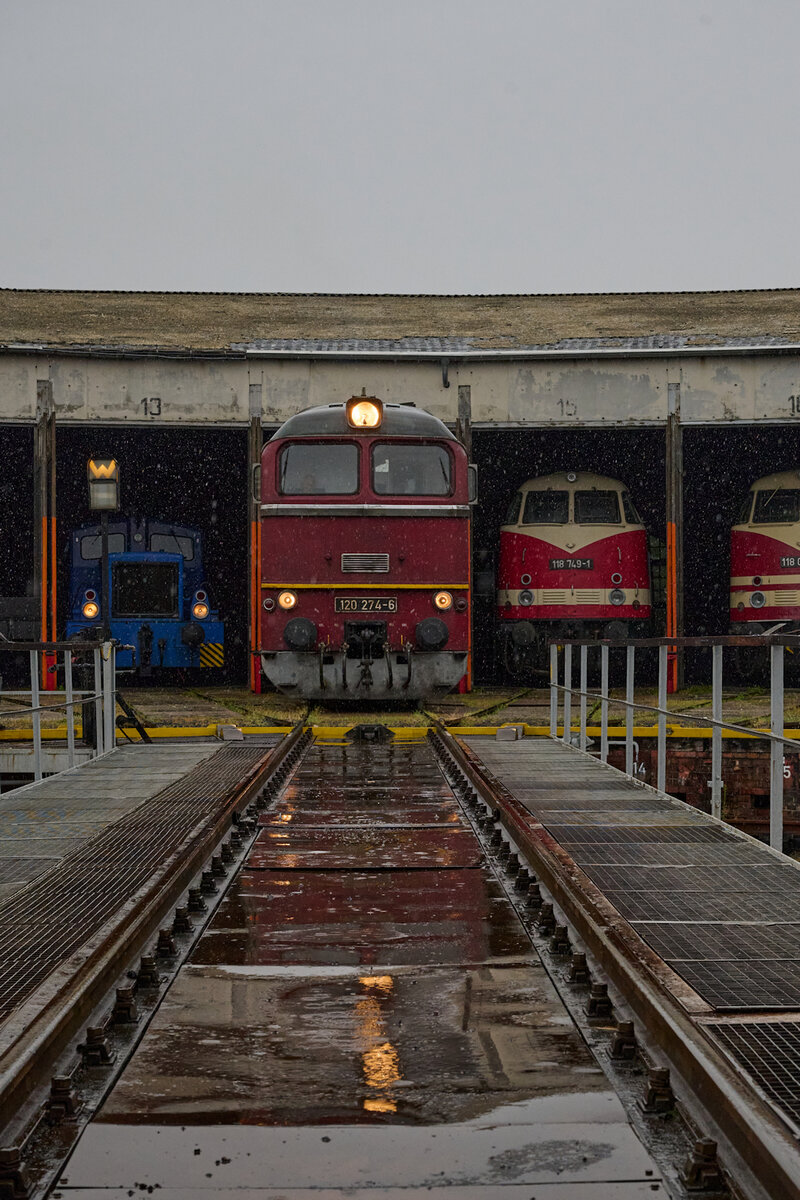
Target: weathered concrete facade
[718,388]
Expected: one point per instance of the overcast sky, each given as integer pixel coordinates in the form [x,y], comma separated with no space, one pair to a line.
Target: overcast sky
[399,145]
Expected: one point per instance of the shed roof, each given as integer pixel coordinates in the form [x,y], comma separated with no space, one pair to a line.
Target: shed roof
[311,323]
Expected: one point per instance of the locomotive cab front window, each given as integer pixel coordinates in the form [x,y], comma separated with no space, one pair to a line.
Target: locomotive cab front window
[319,469]
[172,543]
[629,509]
[597,508]
[778,506]
[743,512]
[546,508]
[512,516]
[92,545]
[401,469]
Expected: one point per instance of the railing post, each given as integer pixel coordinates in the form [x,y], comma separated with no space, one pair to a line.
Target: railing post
[584,689]
[109,699]
[661,782]
[98,702]
[716,732]
[37,716]
[776,748]
[567,694]
[604,704]
[629,674]
[554,691]
[70,709]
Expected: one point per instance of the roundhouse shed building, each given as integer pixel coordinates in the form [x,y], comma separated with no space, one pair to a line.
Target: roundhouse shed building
[687,397]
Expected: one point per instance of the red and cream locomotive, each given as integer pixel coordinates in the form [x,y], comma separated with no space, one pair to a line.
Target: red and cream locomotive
[573,563]
[365,554]
[765,556]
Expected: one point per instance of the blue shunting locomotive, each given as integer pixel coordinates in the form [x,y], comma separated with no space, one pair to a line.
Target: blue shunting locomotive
[159,598]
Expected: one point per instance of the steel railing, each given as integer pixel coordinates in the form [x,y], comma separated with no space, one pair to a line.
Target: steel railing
[103,696]
[776,737]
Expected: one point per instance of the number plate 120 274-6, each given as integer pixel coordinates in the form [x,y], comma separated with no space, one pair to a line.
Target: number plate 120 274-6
[366,604]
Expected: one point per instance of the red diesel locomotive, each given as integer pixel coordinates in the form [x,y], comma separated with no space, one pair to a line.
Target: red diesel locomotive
[573,563]
[365,554]
[765,557]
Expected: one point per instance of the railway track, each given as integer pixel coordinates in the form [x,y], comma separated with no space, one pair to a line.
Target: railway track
[372,990]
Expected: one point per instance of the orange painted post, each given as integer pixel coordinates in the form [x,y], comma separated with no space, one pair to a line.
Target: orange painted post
[254,446]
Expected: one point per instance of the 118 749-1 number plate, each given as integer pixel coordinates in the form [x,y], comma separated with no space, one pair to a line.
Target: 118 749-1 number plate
[366,604]
[571,564]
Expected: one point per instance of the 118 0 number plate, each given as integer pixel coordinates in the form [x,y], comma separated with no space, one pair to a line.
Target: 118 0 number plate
[366,604]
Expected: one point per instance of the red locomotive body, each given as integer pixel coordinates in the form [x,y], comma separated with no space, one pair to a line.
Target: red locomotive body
[765,556]
[365,554]
[573,563]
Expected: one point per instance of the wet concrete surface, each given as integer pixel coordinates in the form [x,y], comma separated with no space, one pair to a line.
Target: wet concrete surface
[366,1029]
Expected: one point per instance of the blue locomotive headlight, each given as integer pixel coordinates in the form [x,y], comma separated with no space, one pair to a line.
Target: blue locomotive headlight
[758,600]
[200,610]
[617,596]
[526,598]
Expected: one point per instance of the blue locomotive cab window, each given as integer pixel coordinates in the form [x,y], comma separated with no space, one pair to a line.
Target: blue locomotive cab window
[597,508]
[92,545]
[173,543]
[778,506]
[546,508]
[319,469]
[400,469]
[144,589]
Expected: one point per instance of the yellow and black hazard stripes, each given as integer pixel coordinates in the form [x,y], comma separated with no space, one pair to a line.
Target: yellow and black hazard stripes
[212,654]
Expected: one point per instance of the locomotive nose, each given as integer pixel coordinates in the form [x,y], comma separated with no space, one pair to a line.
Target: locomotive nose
[300,634]
[432,634]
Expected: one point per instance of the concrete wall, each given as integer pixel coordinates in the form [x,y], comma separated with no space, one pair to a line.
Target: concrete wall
[567,393]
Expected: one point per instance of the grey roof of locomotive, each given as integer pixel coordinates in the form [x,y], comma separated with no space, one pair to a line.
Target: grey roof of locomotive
[330,420]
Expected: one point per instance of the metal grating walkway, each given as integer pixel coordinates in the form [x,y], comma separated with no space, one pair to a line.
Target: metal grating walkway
[720,908]
[52,918]
[770,1053]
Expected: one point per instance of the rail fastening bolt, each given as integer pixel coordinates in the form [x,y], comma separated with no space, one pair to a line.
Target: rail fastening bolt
[546,921]
[218,867]
[534,899]
[658,1094]
[623,1043]
[181,922]
[14,1174]
[165,946]
[208,884]
[559,942]
[503,851]
[63,1100]
[702,1172]
[523,879]
[599,1004]
[125,1011]
[147,976]
[579,969]
[196,902]
[512,866]
[225,852]
[96,1051]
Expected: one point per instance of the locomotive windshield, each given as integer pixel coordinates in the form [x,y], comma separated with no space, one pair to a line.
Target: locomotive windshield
[92,545]
[777,506]
[546,508]
[597,508]
[512,516]
[629,508]
[173,543]
[399,469]
[743,511]
[319,469]
[144,589]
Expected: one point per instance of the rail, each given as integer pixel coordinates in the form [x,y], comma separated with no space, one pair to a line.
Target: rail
[102,697]
[775,736]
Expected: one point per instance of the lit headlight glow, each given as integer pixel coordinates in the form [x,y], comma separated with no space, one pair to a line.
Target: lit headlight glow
[443,601]
[90,610]
[200,610]
[287,600]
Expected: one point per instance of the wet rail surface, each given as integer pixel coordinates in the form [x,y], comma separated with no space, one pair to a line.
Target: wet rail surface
[365,1015]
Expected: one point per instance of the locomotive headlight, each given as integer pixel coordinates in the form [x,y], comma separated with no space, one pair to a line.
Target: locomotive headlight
[526,598]
[287,600]
[443,601]
[617,596]
[758,600]
[90,610]
[200,610]
[364,412]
